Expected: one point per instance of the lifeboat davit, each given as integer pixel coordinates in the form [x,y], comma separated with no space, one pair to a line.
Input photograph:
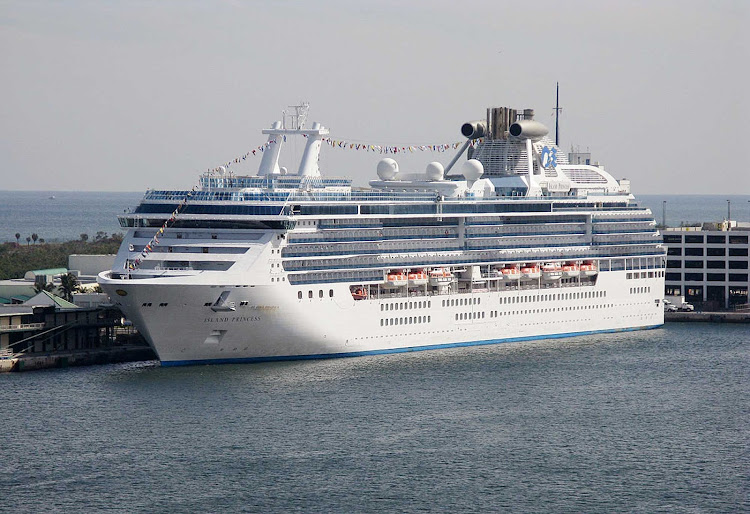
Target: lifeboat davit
[570,270]
[588,268]
[417,278]
[510,272]
[396,278]
[440,277]
[551,272]
[530,272]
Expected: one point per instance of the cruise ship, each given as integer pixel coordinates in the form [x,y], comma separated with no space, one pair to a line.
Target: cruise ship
[508,242]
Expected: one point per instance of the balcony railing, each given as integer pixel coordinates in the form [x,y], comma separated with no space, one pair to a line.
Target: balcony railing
[22,327]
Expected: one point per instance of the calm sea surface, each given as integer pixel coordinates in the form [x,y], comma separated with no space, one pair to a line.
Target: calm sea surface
[72,213]
[655,421]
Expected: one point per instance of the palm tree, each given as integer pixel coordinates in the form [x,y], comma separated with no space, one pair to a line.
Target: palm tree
[40,286]
[34,236]
[18,236]
[28,240]
[68,286]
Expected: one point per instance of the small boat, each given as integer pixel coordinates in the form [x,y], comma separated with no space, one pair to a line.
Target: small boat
[551,272]
[530,272]
[510,272]
[588,268]
[359,293]
[440,277]
[396,278]
[417,277]
[570,270]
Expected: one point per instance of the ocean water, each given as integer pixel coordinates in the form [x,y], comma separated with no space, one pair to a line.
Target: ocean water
[695,209]
[64,218]
[652,421]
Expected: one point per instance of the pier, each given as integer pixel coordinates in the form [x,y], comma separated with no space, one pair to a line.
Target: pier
[708,317]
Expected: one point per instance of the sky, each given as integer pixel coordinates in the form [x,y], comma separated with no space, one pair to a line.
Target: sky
[124,96]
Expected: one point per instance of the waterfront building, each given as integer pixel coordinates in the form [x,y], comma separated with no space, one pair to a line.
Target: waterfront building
[708,267]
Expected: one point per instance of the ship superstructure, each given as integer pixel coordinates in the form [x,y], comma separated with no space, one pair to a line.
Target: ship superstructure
[515,243]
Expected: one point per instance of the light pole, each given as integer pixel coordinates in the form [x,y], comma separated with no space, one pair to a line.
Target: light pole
[664,214]
[729,210]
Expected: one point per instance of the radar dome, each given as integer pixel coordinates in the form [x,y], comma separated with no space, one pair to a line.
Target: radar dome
[222,170]
[434,171]
[282,171]
[472,170]
[387,169]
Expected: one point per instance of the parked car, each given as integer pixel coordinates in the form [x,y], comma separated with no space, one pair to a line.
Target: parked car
[687,307]
[669,307]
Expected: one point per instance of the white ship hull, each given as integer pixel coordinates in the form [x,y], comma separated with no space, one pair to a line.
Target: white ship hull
[271,323]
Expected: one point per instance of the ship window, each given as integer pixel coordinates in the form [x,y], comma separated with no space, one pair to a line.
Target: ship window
[320,293]
[208,304]
[381,322]
[309,294]
[330,293]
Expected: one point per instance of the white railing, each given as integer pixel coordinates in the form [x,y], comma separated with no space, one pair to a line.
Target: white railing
[23,326]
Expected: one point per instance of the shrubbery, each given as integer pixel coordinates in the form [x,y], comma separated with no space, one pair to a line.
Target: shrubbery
[16,259]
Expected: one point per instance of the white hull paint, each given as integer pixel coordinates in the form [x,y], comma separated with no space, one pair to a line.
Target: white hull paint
[276,325]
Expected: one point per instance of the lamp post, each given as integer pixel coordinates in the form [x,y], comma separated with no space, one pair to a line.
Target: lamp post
[664,214]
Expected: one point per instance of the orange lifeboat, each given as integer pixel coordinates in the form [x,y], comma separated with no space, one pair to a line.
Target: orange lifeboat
[417,277]
[440,277]
[510,272]
[530,272]
[588,268]
[551,272]
[359,293]
[570,270]
[396,278]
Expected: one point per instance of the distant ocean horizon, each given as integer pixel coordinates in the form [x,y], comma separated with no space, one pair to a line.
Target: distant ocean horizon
[58,216]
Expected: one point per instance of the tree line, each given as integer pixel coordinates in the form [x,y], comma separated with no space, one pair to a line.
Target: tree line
[16,258]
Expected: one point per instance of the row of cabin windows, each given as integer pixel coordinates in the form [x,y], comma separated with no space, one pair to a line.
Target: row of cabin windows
[711,251]
[553,297]
[711,239]
[639,290]
[643,274]
[405,305]
[707,264]
[310,294]
[710,277]
[461,316]
[410,320]
[460,302]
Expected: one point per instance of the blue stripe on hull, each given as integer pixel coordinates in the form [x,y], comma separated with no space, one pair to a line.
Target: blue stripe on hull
[399,350]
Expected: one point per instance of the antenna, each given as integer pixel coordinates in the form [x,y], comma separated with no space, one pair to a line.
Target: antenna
[297,118]
[557,110]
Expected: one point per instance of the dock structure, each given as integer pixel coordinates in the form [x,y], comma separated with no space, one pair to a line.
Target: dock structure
[60,333]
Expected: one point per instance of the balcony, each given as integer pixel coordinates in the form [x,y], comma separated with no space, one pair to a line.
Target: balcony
[22,327]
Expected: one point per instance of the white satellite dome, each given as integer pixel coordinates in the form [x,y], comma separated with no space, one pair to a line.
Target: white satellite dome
[472,170]
[434,171]
[222,170]
[387,169]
